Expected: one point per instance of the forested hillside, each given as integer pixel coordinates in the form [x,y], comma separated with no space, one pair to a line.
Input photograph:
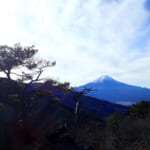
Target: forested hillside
[44,114]
[51,125]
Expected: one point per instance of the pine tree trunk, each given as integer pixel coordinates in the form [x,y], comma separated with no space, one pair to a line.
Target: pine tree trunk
[76,110]
[26,133]
[8,75]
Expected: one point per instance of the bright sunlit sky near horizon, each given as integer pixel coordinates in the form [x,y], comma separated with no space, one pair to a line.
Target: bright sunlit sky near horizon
[87,38]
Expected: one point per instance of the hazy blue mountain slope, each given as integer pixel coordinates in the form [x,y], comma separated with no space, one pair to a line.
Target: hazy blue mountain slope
[107,88]
[89,104]
[95,106]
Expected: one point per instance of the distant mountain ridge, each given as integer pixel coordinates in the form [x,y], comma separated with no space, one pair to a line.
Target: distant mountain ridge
[115,91]
[94,106]
[90,105]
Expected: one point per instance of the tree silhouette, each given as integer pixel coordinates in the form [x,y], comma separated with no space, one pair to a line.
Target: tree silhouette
[140,110]
[76,97]
[17,56]
[25,92]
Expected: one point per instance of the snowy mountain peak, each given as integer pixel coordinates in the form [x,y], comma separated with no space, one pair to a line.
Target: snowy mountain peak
[115,91]
[104,78]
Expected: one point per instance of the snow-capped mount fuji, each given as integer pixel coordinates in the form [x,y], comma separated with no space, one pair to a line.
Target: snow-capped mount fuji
[105,80]
[115,91]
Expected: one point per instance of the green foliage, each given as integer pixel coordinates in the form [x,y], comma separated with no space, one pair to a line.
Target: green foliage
[2,106]
[113,122]
[18,95]
[13,96]
[140,110]
[41,94]
[55,99]
[117,132]
[16,56]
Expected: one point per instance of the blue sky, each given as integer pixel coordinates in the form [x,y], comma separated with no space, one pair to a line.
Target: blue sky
[87,38]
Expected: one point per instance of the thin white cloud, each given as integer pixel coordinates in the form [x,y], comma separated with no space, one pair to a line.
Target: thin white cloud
[87,38]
